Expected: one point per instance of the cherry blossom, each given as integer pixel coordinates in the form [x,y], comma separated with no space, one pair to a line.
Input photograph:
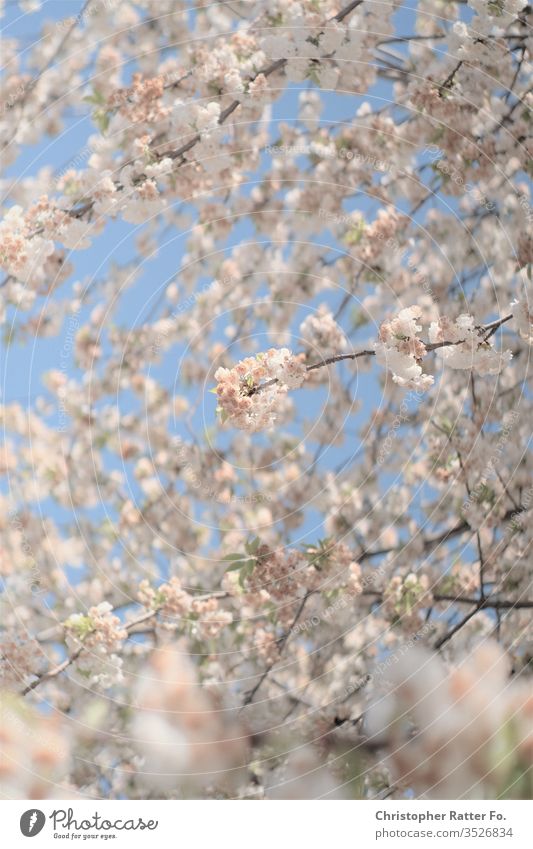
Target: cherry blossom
[266,296]
[195,745]
[450,752]
[524,320]
[470,347]
[322,333]
[250,394]
[35,751]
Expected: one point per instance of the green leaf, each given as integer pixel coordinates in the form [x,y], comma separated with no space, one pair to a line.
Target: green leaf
[246,571]
[96,97]
[252,547]
[355,233]
[101,119]
[235,567]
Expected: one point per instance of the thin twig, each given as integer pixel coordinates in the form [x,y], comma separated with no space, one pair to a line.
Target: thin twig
[368,352]
[130,627]
[281,645]
[443,640]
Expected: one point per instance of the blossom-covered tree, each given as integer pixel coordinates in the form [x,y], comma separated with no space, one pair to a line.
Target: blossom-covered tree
[267,501]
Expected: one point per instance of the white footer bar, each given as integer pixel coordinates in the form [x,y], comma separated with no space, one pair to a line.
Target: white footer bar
[266,825]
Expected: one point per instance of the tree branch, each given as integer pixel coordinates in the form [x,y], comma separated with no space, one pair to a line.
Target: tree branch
[368,352]
[130,627]
[281,645]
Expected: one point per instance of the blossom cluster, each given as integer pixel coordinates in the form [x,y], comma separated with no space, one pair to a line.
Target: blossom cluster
[469,346]
[251,393]
[400,349]
[101,635]
[322,334]
[35,752]
[182,734]
[23,257]
[20,659]
[176,608]
[523,316]
[461,733]
[251,405]
[404,599]
[170,598]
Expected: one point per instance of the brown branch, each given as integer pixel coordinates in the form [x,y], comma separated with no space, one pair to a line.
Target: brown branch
[53,673]
[346,11]
[480,604]
[443,640]
[354,355]
[461,528]
[495,604]
[339,357]
[448,82]
[57,670]
[494,325]
[129,627]
[277,65]
[281,645]
[33,82]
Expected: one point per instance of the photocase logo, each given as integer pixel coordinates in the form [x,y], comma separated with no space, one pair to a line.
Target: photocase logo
[32,822]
